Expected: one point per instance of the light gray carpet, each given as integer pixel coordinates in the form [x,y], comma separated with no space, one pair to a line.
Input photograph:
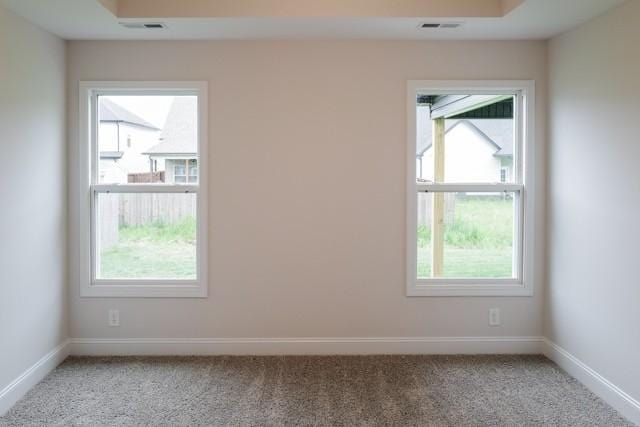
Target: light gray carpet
[297,390]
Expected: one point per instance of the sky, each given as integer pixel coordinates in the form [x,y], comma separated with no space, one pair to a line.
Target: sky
[152,108]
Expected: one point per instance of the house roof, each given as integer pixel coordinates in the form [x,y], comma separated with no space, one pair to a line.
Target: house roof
[179,135]
[498,132]
[112,112]
[111,154]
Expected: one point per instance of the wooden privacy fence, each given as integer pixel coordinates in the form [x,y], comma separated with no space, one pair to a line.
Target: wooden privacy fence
[425,203]
[144,208]
[134,209]
[144,177]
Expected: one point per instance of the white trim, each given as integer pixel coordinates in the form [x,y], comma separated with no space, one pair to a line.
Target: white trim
[13,392]
[468,188]
[599,385]
[87,192]
[299,346]
[464,288]
[522,284]
[144,289]
[145,188]
[461,87]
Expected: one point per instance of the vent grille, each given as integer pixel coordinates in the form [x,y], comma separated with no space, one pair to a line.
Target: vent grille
[144,25]
[432,25]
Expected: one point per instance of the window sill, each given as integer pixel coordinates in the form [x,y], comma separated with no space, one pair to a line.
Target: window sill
[468,289]
[168,290]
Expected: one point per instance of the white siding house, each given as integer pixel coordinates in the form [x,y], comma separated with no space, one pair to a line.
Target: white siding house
[122,138]
[177,148]
[476,150]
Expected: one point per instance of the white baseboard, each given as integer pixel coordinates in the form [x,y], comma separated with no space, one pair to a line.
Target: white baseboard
[32,376]
[605,389]
[306,346]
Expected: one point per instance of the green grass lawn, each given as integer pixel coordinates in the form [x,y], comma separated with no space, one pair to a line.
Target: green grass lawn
[466,262]
[477,244]
[156,250]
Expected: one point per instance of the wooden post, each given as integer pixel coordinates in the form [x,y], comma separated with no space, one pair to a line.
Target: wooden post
[437,226]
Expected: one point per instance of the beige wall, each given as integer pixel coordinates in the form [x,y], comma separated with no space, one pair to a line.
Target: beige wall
[310,8]
[33,291]
[307,188]
[594,195]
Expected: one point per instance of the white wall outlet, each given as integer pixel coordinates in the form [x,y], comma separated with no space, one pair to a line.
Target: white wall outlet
[494,317]
[114,317]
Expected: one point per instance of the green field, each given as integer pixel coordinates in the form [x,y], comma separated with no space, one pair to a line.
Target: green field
[478,243]
[156,250]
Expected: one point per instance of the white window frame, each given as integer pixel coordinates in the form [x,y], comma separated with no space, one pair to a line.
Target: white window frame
[89,188]
[524,113]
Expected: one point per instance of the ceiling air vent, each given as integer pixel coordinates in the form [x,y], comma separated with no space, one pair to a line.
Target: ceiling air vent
[144,25]
[439,25]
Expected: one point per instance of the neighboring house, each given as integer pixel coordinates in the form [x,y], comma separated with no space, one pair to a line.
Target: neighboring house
[476,150]
[177,148]
[122,137]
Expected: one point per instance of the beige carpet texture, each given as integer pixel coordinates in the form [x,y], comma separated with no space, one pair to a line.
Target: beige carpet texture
[311,391]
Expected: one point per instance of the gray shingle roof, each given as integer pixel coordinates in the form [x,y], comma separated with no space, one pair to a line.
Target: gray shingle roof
[498,132]
[179,135]
[112,112]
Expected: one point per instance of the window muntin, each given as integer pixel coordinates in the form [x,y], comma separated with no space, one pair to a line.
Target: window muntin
[146,234]
[430,183]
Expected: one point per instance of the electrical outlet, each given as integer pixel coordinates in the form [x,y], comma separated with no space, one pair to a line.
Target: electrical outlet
[114,317]
[494,317]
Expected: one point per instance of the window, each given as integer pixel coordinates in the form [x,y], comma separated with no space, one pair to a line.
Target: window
[469,227]
[193,171]
[143,233]
[185,171]
[180,174]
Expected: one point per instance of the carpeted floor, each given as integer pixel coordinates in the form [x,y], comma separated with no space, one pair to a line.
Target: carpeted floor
[298,390]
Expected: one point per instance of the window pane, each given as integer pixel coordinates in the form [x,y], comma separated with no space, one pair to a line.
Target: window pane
[146,236]
[479,143]
[478,236]
[141,137]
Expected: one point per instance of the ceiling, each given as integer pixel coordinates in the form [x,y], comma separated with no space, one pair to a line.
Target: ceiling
[528,19]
